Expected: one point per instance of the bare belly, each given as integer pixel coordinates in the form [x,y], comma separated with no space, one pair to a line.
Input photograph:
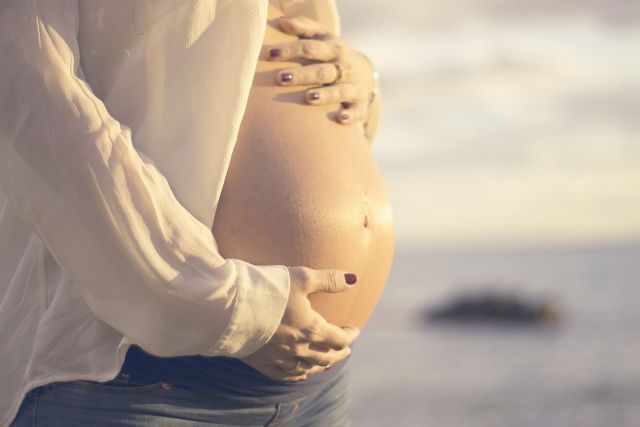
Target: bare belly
[304,190]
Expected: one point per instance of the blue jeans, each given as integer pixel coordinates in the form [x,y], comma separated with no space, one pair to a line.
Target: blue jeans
[122,402]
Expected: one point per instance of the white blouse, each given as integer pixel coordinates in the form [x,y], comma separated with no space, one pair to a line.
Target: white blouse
[117,123]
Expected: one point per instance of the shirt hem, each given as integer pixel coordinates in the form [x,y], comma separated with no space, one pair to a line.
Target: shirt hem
[121,352]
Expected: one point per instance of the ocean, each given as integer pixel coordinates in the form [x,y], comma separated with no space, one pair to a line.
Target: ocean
[583,372]
[505,124]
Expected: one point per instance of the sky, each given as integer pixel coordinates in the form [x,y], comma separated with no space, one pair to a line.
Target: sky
[504,122]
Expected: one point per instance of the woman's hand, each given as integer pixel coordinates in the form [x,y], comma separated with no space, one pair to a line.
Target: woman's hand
[345,75]
[305,343]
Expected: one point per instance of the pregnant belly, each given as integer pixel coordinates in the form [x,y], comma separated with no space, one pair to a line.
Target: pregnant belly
[303,190]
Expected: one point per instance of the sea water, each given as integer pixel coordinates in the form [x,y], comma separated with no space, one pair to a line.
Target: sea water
[505,121]
[583,372]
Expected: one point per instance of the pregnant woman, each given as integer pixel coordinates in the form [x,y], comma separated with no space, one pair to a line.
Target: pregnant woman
[303,190]
[300,190]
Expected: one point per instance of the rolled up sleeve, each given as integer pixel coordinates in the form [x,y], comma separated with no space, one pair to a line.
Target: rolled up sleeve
[141,261]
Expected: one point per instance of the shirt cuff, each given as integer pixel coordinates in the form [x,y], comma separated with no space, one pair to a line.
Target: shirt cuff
[262,295]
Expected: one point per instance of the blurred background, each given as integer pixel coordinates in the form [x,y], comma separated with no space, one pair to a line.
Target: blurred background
[510,146]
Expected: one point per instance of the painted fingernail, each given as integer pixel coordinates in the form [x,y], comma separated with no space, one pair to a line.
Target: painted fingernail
[274,53]
[314,96]
[344,117]
[286,77]
[346,105]
[350,278]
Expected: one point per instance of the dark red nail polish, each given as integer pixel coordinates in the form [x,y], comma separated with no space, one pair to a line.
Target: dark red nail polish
[314,96]
[286,77]
[350,278]
[274,53]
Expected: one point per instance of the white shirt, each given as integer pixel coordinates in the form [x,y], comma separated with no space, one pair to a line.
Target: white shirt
[117,123]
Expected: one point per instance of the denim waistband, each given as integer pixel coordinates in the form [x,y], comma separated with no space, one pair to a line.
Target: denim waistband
[223,377]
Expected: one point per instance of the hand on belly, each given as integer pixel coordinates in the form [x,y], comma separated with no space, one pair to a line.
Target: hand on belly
[302,190]
[305,343]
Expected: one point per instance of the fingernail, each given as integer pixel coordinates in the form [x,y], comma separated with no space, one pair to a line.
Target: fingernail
[344,117]
[346,105]
[286,77]
[314,96]
[350,278]
[274,53]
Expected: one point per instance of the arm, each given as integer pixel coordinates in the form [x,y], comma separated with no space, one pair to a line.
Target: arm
[141,261]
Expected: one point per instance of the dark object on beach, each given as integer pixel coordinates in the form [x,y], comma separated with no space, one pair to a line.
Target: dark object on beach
[496,307]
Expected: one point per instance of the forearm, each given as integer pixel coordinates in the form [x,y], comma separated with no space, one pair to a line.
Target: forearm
[140,260]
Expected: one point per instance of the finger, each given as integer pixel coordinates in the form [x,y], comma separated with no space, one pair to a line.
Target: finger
[294,366]
[325,359]
[319,355]
[309,367]
[302,26]
[337,338]
[336,93]
[352,114]
[316,369]
[328,335]
[319,50]
[297,371]
[351,334]
[287,376]
[315,74]
[274,372]
[327,280]
[294,379]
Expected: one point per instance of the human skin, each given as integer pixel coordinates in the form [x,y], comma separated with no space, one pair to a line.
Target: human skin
[303,190]
[356,86]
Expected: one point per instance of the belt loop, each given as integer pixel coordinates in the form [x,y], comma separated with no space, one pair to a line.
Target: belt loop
[125,378]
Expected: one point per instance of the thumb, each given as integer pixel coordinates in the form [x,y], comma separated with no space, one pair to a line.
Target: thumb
[329,281]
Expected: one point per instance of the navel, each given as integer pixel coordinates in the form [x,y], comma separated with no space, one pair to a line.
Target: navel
[365,210]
